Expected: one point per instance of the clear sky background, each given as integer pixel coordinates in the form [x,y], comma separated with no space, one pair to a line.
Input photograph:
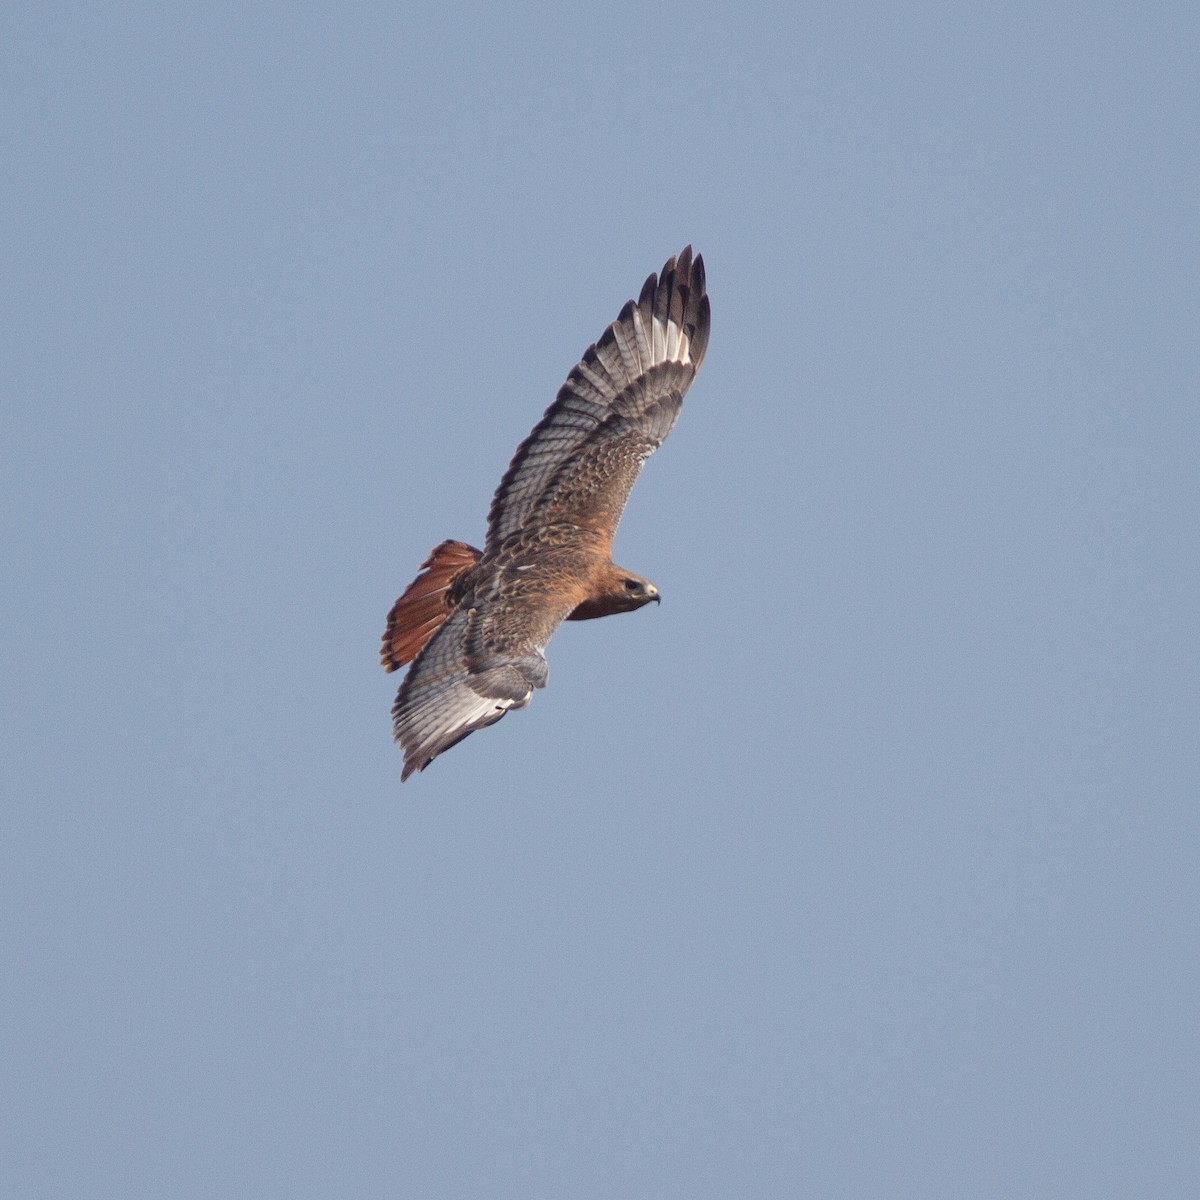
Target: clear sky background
[867,865]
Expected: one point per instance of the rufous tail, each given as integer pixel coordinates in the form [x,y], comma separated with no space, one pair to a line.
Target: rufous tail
[420,612]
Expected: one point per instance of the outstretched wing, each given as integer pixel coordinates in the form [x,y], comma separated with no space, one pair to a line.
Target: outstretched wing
[486,659]
[615,409]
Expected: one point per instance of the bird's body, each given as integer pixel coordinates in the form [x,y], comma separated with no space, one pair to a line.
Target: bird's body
[475,623]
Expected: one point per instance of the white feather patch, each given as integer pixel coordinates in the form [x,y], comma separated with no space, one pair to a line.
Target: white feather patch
[669,343]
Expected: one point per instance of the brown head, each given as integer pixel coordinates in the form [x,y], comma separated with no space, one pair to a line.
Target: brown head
[616,590]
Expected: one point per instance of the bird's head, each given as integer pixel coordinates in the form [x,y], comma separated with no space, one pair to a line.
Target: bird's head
[616,591]
[636,591]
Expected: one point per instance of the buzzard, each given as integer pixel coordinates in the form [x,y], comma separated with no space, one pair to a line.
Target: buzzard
[475,623]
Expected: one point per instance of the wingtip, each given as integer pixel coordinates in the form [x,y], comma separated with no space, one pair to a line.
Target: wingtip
[645,299]
[685,275]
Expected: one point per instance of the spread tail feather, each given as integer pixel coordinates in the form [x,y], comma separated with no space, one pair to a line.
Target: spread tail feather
[424,607]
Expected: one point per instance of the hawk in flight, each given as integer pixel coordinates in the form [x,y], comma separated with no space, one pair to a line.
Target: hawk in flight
[475,623]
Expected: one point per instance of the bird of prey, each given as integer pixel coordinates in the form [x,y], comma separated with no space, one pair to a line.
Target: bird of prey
[475,623]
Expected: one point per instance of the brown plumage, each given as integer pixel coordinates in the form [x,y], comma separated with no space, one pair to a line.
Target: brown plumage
[420,612]
[475,623]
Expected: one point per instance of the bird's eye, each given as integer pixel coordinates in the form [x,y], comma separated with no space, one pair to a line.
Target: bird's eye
[631,585]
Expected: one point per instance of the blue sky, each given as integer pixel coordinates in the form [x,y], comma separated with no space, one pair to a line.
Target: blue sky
[867,864]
